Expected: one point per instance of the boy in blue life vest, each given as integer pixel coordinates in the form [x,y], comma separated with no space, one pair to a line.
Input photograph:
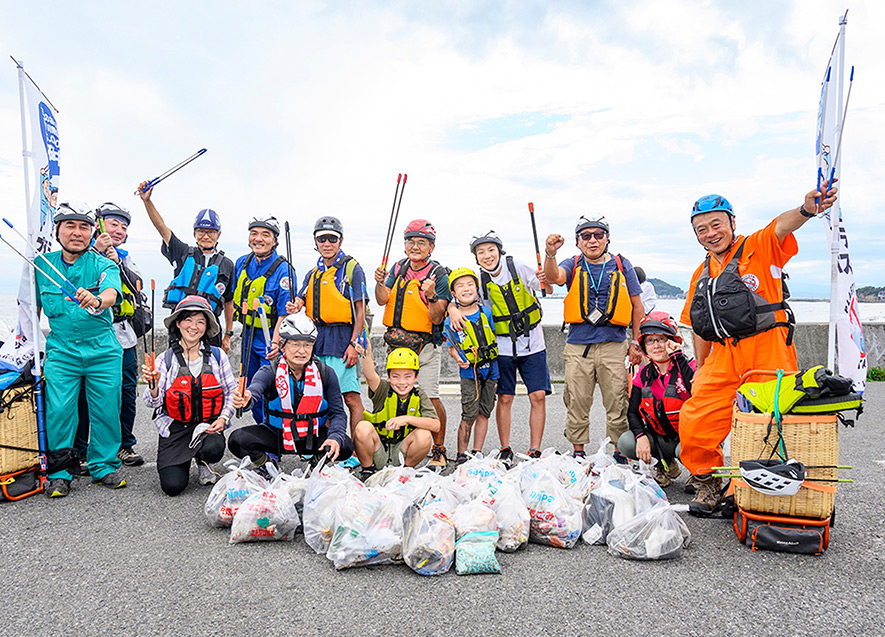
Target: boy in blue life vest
[262,274]
[201,269]
[402,420]
[475,349]
[333,296]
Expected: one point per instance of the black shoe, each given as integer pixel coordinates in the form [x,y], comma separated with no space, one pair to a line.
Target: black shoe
[620,458]
[367,472]
[129,458]
[461,458]
[113,480]
[533,453]
[579,454]
[58,488]
[506,456]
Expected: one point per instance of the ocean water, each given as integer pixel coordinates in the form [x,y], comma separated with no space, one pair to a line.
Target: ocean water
[806,311]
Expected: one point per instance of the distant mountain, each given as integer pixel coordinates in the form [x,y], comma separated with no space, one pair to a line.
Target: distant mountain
[666,291]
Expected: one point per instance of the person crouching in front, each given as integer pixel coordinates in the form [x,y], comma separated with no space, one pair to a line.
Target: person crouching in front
[303,409]
[402,420]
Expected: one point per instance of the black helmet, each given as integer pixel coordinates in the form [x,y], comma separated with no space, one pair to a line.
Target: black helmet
[109,209]
[585,224]
[328,224]
[489,237]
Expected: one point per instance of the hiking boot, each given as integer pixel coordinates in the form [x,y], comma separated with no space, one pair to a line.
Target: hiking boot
[674,470]
[661,477]
[205,475]
[691,485]
[533,453]
[58,488]
[438,457]
[505,455]
[707,498]
[113,480]
[129,458]
[461,458]
[367,472]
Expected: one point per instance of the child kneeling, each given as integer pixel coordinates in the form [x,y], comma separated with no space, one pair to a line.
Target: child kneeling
[402,419]
[475,349]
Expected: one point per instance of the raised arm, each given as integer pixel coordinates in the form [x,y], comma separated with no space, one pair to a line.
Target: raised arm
[154,214]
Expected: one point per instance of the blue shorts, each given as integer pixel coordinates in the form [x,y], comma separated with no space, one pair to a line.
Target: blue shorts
[347,376]
[532,369]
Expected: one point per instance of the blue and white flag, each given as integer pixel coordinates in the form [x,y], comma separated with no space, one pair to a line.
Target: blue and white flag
[845,325]
[40,132]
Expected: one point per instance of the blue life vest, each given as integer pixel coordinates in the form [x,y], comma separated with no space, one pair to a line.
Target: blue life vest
[273,408]
[196,279]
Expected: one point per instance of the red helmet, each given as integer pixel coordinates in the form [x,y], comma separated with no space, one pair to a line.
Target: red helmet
[420,228]
[658,323]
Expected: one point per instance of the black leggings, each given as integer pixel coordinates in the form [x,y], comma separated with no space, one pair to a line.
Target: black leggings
[258,440]
[174,478]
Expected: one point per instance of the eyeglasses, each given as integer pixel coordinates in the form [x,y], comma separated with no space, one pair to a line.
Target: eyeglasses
[205,232]
[327,238]
[586,236]
[656,339]
[421,243]
[300,345]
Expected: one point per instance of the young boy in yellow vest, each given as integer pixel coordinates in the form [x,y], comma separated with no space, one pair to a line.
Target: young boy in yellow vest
[402,420]
[475,349]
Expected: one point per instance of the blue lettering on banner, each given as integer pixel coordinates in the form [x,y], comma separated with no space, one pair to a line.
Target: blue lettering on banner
[49,130]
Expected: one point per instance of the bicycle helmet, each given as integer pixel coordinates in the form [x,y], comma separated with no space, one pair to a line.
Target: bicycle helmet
[489,237]
[297,327]
[269,222]
[109,209]
[73,211]
[328,225]
[420,228]
[585,224]
[658,323]
[773,477]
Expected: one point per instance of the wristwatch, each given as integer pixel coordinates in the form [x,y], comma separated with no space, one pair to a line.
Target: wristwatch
[228,332]
[807,215]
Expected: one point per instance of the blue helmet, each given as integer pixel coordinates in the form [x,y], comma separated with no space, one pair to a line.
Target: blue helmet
[711,203]
[208,219]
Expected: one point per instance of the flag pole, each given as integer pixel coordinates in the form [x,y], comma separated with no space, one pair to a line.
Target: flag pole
[35,318]
[836,223]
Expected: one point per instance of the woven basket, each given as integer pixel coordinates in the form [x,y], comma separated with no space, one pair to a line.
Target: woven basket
[18,428]
[812,440]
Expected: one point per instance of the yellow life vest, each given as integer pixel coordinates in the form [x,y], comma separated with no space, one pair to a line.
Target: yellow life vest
[405,309]
[255,289]
[324,303]
[515,309]
[479,344]
[394,406]
[580,303]
[126,309]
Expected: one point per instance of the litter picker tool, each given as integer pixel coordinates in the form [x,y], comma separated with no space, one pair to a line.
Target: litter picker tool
[537,249]
[37,268]
[250,314]
[152,361]
[265,329]
[823,123]
[289,265]
[153,182]
[841,130]
[144,334]
[41,255]
[394,215]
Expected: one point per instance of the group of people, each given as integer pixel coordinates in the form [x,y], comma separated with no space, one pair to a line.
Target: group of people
[299,371]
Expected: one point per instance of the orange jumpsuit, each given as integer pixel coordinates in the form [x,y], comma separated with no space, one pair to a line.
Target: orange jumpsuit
[705,419]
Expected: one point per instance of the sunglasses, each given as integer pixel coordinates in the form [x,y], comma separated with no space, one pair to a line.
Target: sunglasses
[327,238]
[586,236]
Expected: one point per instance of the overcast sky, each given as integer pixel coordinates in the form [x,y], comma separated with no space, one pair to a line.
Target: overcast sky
[628,109]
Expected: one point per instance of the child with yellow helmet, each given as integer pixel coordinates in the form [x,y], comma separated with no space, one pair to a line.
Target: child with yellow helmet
[402,419]
[475,349]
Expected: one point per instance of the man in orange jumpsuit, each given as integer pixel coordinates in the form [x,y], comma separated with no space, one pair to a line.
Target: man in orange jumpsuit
[740,322]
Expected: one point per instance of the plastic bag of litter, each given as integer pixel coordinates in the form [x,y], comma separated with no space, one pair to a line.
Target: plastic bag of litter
[295,485]
[428,539]
[657,534]
[512,516]
[474,516]
[368,529]
[231,490]
[325,487]
[268,515]
[475,553]
[555,515]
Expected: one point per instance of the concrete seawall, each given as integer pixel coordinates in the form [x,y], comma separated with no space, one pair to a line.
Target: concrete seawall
[810,338]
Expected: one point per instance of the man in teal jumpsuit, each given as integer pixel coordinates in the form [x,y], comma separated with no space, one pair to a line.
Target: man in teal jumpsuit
[81,345]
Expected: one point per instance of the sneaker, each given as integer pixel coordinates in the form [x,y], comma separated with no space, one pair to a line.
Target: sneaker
[461,458]
[351,463]
[58,488]
[579,454]
[438,457]
[84,468]
[707,498]
[367,472]
[533,453]
[205,475]
[691,485]
[505,455]
[263,471]
[113,480]
[129,458]
[661,477]
[620,458]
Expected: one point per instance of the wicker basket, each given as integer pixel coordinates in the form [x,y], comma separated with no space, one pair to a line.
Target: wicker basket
[18,428]
[812,440]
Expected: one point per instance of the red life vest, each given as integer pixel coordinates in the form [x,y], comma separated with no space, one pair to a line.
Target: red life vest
[191,399]
[662,414]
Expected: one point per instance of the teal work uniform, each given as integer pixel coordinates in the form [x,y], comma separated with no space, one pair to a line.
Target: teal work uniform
[81,346]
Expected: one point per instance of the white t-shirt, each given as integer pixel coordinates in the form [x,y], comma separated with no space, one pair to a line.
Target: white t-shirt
[534,342]
[648,296]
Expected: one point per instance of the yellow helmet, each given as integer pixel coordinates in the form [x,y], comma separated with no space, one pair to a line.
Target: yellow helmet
[402,358]
[457,273]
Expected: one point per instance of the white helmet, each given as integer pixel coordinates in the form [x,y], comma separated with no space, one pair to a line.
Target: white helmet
[297,327]
[267,221]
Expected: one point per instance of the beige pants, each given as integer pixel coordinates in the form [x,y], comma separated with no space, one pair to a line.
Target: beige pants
[604,364]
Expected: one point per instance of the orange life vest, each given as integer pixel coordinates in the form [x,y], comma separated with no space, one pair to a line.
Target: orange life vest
[324,303]
[405,308]
[580,302]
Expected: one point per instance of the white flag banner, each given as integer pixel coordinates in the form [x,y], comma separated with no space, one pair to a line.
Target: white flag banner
[845,325]
[40,139]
